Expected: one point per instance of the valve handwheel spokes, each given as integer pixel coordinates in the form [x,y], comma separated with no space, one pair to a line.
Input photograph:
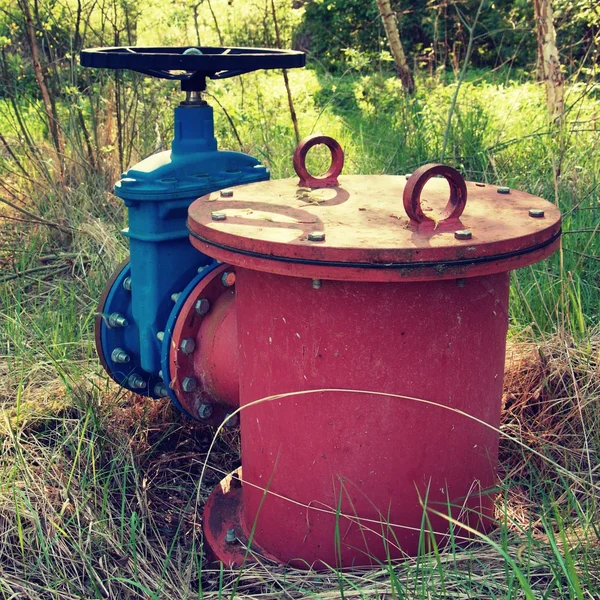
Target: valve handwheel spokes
[191,65]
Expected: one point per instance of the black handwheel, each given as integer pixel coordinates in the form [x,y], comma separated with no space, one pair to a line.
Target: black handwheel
[192,65]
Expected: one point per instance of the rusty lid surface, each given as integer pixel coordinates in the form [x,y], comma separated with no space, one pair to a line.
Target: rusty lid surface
[374,227]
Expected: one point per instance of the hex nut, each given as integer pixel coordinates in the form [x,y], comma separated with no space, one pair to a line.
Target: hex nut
[226,193]
[160,336]
[205,411]
[118,355]
[202,306]
[503,190]
[136,382]
[117,320]
[536,213]
[316,236]
[127,284]
[188,345]
[218,216]
[316,283]
[189,384]
[463,234]
[160,390]
[228,278]
[230,536]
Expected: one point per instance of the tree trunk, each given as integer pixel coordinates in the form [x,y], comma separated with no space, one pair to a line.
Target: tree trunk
[548,56]
[391,29]
[49,107]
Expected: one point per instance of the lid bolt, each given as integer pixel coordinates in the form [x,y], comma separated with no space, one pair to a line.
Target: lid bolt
[463,234]
[218,216]
[316,236]
[227,193]
[316,283]
[536,213]
[503,190]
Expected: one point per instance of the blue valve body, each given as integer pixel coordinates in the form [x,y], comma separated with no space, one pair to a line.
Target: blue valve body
[157,192]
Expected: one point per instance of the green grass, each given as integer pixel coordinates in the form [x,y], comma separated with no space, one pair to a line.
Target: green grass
[99,489]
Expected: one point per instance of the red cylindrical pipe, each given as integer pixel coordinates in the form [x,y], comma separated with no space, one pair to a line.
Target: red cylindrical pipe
[371,459]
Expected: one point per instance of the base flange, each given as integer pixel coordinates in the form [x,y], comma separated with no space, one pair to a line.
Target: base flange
[225,535]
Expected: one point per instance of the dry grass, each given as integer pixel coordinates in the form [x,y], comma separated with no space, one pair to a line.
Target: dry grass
[99,496]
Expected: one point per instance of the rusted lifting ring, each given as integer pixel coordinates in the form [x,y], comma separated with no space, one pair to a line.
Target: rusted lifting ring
[330,179]
[416,182]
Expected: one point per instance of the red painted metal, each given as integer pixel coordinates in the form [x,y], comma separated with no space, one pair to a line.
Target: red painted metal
[213,363]
[370,362]
[411,196]
[330,178]
[368,237]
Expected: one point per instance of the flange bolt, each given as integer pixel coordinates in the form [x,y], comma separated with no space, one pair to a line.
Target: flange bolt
[175,297]
[316,236]
[202,306]
[228,278]
[118,355]
[160,336]
[117,320]
[136,382]
[463,234]
[230,536]
[218,216]
[127,284]
[226,193]
[188,345]
[232,421]
[536,213]
[160,390]
[189,384]
[205,411]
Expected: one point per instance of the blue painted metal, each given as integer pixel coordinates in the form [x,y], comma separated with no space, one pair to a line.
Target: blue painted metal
[166,344]
[157,192]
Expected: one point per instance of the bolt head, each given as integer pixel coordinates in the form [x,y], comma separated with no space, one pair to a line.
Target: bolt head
[218,216]
[232,421]
[316,236]
[503,190]
[127,284]
[202,306]
[536,213]
[189,384]
[160,336]
[188,345]
[205,411]
[316,283]
[230,536]
[407,176]
[175,297]
[226,193]
[463,234]
[228,278]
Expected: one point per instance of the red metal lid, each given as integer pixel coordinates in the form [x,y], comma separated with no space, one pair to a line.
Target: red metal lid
[374,227]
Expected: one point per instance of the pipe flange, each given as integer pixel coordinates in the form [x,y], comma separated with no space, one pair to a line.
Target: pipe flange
[179,349]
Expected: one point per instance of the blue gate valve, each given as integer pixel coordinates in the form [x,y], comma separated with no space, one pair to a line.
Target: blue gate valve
[141,301]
